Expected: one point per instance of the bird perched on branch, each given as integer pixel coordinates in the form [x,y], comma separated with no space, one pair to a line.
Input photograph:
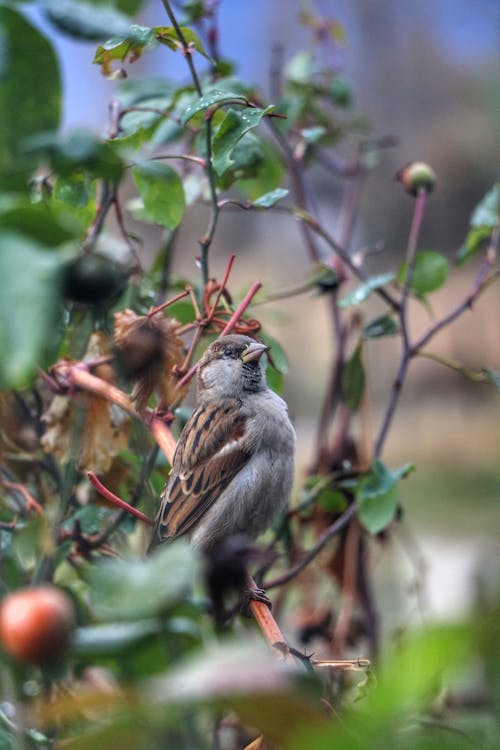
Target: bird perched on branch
[233,468]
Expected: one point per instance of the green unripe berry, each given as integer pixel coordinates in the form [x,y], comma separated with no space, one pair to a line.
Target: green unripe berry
[416,176]
[93,279]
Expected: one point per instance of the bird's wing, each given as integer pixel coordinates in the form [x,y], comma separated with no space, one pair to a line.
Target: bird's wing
[210,452]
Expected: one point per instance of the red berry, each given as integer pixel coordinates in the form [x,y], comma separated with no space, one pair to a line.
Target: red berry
[36,624]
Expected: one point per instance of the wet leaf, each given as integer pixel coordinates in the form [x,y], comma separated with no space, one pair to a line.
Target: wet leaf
[234,126]
[130,45]
[167,35]
[212,98]
[364,290]
[270,199]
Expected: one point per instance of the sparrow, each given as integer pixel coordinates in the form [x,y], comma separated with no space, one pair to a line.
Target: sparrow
[233,467]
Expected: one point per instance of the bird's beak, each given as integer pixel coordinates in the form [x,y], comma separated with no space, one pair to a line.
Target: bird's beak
[254,351]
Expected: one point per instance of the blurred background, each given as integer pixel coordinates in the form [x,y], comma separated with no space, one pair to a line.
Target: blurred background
[427,74]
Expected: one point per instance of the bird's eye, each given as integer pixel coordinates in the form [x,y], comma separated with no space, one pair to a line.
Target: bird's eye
[229,354]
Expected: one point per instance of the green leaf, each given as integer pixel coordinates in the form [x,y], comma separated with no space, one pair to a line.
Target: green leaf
[246,161]
[485,217]
[277,353]
[211,99]
[77,151]
[268,177]
[73,201]
[487,212]
[232,129]
[134,589]
[324,278]
[301,68]
[131,45]
[275,380]
[377,496]
[364,290]
[430,272]
[383,326]
[30,308]
[313,135]
[7,741]
[271,198]
[160,188]
[112,638]
[167,35]
[493,376]
[85,20]
[353,379]
[332,501]
[474,241]
[38,222]
[75,191]
[30,86]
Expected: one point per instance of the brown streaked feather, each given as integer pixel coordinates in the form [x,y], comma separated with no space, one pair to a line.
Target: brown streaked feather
[209,454]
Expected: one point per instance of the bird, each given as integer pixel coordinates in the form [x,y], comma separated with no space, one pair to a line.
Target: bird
[233,468]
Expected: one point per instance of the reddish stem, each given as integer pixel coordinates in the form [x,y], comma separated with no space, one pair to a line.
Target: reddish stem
[115,500]
[161,307]
[222,286]
[228,328]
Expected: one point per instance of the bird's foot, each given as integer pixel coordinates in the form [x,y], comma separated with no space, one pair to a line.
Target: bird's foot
[251,594]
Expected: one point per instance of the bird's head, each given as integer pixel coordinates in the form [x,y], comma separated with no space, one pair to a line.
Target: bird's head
[231,367]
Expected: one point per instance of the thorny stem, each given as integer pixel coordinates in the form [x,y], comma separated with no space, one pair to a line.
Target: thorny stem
[206,240]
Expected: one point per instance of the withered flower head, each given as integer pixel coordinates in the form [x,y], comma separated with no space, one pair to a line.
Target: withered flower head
[147,349]
[84,427]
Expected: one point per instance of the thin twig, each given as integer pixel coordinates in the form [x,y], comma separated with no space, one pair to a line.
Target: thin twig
[335,528]
[402,310]
[228,327]
[207,238]
[456,312]
[159,308]
[357,271]
[28,497]
[115,500]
